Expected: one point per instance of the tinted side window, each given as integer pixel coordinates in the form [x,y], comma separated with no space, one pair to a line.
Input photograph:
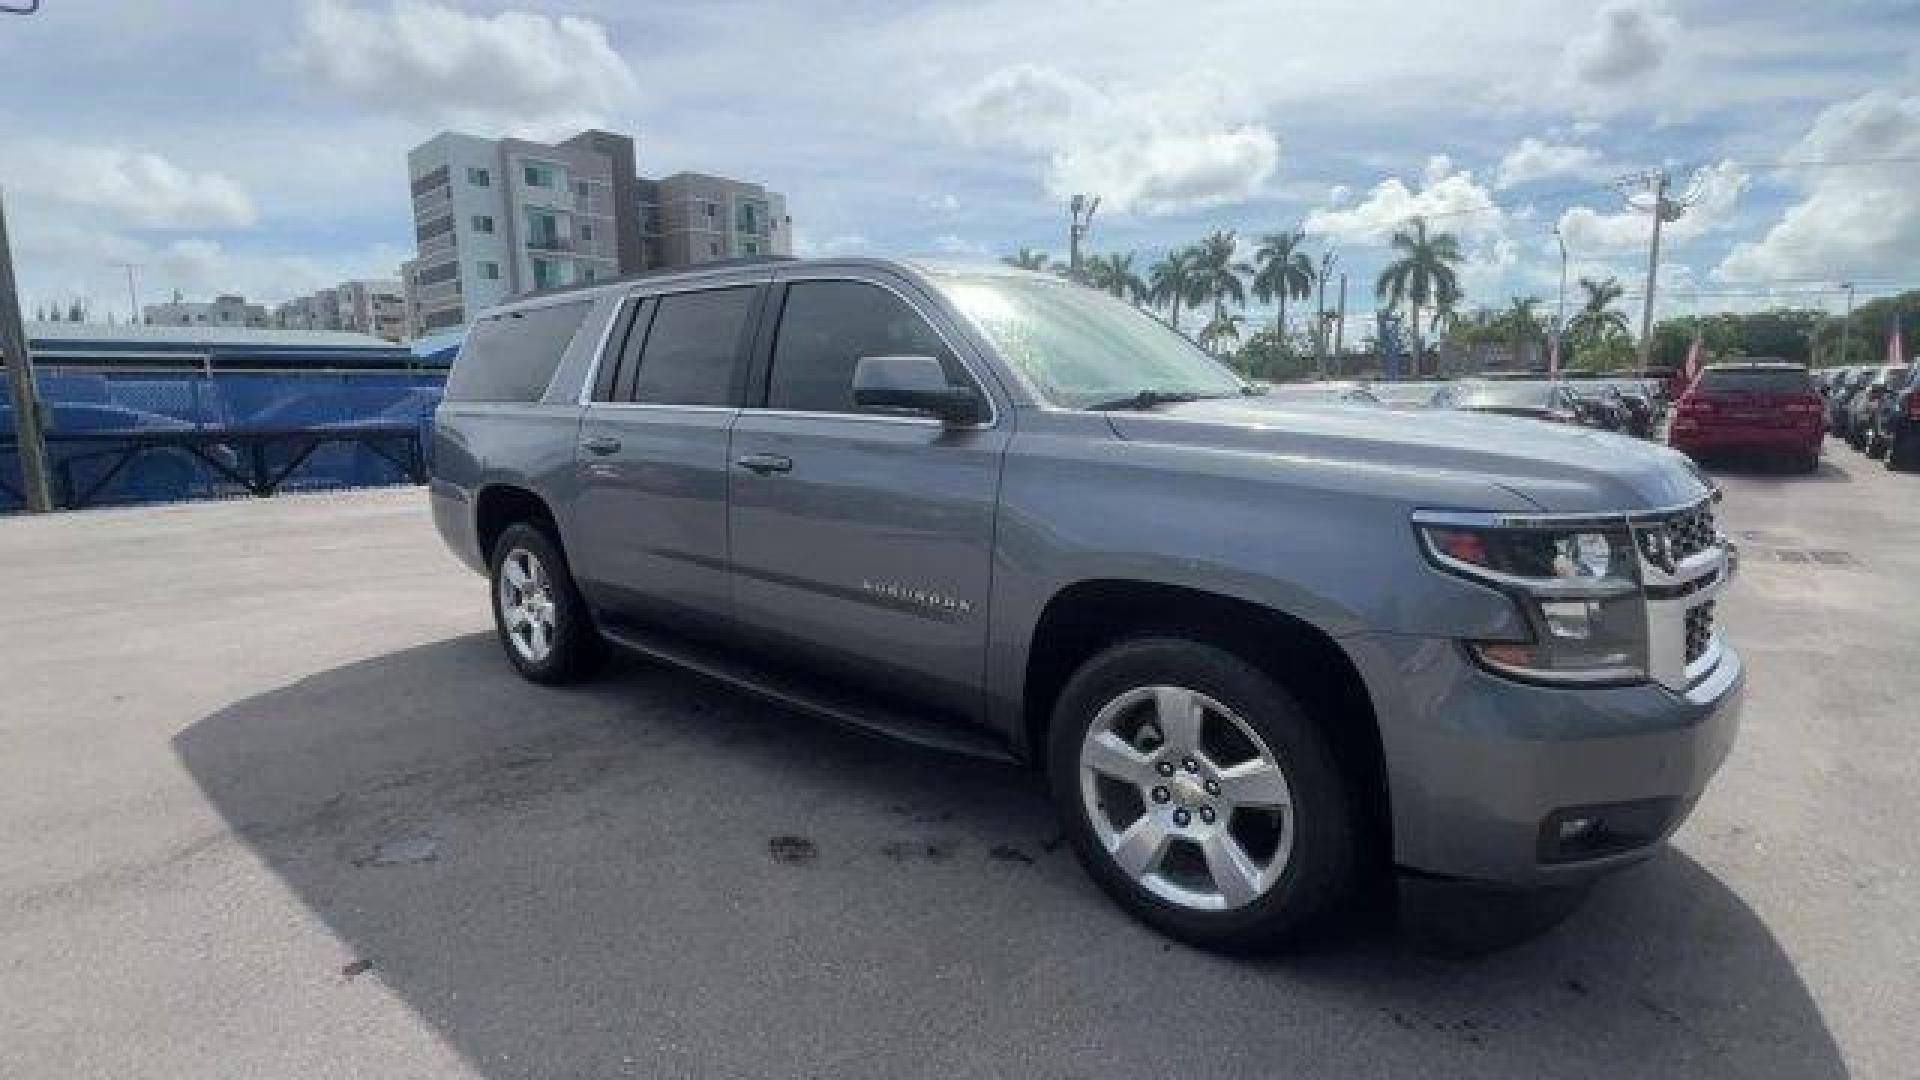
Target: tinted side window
[693,348]
[826,327]
[512,357]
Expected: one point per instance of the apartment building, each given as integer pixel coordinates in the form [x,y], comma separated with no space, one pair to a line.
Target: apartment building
[690,218]
[495,218]
[224,310]
[373,307]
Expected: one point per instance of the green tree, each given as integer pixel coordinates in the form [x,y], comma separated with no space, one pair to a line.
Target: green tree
[1268,355]
[1522,325]
[1115,274]
[1027,259]
[1173,283]
[1219,276]
[1421,277]
[1282,272]
[1596,326]
[1222,329]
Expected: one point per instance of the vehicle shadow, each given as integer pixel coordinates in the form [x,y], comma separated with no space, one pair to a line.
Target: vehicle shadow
[1775,467]
[654,876]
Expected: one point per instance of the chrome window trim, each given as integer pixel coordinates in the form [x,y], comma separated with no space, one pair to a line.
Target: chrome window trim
[593,368]
[979,384]
[625,406]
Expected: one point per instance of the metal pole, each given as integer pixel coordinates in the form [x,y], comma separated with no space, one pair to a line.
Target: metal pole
[133,293]
[1560,315]
[1653,269]
[1320,316]
[29,446]
[1846,325]
[1340,323]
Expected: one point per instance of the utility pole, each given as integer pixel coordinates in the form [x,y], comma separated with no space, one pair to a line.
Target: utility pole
[1320,315]
[29,446]
[1560,315]
[1846,324]
[1340,323]
[1663,210]
[133,294]
[1081,209]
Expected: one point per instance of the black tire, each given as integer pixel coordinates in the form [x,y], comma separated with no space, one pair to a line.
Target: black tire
[1902,454]
[1321,868]
[1810,462]
[577,650]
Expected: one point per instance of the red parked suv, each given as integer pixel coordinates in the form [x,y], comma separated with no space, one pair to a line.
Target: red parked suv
[1751,407]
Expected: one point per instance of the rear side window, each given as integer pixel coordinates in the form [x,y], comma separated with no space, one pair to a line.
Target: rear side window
[512,357]
[1756,380]
[827,326]
[693,348]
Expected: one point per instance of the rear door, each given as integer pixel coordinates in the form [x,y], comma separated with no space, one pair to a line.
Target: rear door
[651,511]
[862,543]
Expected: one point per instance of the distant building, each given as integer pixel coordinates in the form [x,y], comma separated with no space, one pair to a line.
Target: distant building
[494,218]
[690,218]
[375,308]
[224,310]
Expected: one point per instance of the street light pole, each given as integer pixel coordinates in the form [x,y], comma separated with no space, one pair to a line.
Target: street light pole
[1653,268]
[29,446]
[133,294]
[1560,314]
[1320,316]
[1846,324]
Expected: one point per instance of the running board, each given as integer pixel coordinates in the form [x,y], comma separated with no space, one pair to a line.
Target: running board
[814,697]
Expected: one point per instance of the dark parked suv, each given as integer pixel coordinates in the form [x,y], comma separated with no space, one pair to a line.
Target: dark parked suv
[1258,648]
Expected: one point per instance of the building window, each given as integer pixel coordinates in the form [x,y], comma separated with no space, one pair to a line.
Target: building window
[490,271]
[538,175]
[580,188]
[587,275]
[585,230]
[482,223]
[543,230]
[751,248]
[479,178]
[714,249]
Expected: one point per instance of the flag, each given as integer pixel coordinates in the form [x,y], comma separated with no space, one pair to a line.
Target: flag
[1690,370]
[1896,349]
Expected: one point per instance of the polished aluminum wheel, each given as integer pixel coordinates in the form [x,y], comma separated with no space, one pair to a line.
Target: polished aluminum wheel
[1187,798]
[526,605]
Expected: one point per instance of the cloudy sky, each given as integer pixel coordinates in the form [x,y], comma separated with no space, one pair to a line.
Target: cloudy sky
[259,146]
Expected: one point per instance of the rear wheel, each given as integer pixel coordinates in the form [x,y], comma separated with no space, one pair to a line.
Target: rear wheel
[1902,453]
[542,621]
[1200,794]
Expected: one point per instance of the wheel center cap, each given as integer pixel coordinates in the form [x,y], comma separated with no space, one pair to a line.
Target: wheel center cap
[1188,791]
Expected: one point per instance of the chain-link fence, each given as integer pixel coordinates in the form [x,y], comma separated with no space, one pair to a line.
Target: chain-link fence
[125,409]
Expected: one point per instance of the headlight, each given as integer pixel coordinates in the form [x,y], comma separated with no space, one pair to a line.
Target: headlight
[1577,586]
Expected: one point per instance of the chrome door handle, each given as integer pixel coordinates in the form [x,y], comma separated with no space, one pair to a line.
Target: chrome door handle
[765,463]
[601,444]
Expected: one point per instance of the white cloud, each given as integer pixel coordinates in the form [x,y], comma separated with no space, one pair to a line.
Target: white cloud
[953,244]
[130,187]
[945,202]
[1533,158]
[1338,194]
[1852,220]
[1628,40]
[1449,195]
[1714,191]
[530,73]
[1189,145]
[806,245]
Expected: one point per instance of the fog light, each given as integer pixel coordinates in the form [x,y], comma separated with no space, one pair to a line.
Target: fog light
[1578,828]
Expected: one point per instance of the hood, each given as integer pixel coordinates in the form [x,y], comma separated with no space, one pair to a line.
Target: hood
[1559,468]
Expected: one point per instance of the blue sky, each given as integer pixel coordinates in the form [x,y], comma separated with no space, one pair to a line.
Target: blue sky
[260,146]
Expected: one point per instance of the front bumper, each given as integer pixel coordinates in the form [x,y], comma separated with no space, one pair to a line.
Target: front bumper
[1478,765]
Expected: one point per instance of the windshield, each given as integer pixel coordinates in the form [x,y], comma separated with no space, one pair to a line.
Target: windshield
[1077,347]
[1507,395]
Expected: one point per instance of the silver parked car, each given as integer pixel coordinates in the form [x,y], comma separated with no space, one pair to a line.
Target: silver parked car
[1258,648]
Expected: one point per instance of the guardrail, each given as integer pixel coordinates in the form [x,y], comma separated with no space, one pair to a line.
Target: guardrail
[252,461]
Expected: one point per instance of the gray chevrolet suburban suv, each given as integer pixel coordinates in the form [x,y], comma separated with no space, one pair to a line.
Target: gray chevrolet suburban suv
[1260,650]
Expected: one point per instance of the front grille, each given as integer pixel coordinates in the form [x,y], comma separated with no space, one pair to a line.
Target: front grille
[1699,630]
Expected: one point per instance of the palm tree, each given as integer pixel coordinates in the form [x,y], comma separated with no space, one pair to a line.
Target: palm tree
[1218,274]
[1223,327]
[1284,273]
[1521,324]
[1027,259]
[1596,323]
[1117,276]
[1422,276]
[1172,282]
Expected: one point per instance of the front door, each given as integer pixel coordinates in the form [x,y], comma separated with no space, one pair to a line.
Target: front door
[863,543]
[651,512]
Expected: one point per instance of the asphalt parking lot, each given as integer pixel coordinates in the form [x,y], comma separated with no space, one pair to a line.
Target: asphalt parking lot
[271,804]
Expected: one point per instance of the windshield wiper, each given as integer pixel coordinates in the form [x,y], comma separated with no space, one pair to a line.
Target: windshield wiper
[1147,399]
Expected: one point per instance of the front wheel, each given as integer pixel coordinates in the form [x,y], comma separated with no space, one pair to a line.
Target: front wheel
[541,618]
[1201,795]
